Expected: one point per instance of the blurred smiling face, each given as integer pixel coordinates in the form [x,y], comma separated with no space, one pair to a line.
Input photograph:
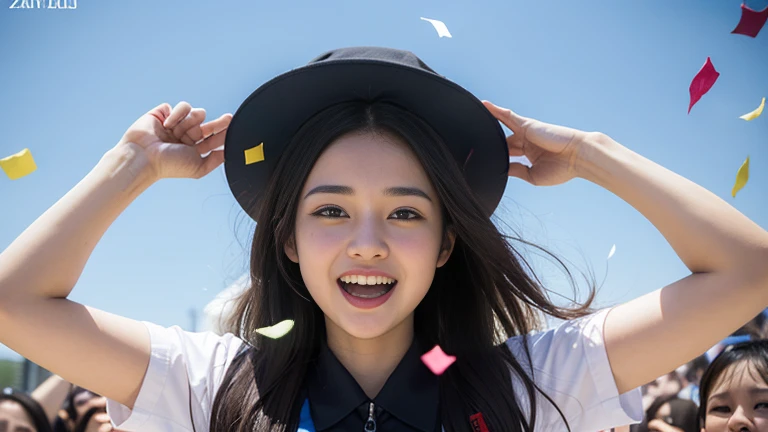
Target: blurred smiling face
[368,234]
[738,401]
[13,418]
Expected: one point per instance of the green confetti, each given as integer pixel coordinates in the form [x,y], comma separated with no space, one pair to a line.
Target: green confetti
[278,330]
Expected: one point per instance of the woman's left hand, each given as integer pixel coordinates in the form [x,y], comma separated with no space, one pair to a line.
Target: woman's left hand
[557,153]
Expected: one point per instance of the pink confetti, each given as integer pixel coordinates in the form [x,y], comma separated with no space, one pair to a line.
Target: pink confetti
[437,361]
[751,21]
[702,82]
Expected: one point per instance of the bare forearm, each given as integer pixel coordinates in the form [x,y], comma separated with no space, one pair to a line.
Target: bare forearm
[707,233]
[47,259]
[51,394]
[726,252]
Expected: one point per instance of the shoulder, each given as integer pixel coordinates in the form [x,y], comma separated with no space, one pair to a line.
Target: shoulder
[570,365]
[185,371]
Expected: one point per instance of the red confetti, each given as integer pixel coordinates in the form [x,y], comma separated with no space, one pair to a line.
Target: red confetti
[437,361]
[702,82]
[478,423]
[751,21]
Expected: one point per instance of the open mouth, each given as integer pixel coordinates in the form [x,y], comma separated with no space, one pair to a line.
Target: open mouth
[367,291]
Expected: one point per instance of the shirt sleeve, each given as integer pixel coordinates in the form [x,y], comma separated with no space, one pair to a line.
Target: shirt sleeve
[177,393]
[570,364]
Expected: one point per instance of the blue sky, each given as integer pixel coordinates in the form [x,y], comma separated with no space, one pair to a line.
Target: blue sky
[74,80]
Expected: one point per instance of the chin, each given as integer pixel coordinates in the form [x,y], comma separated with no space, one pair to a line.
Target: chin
[366,327]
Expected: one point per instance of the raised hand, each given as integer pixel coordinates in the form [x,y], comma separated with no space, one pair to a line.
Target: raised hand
[555,152]
[175,140]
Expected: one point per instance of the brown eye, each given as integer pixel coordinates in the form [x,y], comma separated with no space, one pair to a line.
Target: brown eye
[406,214]
[721,409]
[330,213]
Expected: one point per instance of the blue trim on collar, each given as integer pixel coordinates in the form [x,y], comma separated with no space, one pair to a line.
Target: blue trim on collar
[305,419]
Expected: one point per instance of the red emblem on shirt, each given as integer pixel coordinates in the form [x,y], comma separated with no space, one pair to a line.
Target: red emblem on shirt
[477,422]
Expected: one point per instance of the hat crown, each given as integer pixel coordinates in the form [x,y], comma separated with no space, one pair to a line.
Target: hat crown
[376,54]
[268,119]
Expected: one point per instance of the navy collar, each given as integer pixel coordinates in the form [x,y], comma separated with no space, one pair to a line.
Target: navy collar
[410,394]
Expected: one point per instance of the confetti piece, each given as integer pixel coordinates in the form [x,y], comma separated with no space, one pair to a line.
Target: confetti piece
[751,21]
[254,154]
[278,330]
[741,177]
[754,114]
[437,361]
[522,160]
[18,165]
[702,82]
[478,423]
[613,251]
[442,30]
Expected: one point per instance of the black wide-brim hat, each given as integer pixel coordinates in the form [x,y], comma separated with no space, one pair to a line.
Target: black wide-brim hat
[265,123]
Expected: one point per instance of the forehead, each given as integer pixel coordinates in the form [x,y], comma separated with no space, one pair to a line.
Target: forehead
[361,159]
[739,376]
[12,410]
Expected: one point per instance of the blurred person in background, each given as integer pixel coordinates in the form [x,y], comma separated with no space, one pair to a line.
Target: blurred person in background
[19,412]
[670,413]
[734,390]
[83,411]
[668,384]
[690,375]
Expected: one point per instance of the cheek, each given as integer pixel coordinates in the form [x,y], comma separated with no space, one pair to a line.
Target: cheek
[312,235]
[422,242]
[716,423]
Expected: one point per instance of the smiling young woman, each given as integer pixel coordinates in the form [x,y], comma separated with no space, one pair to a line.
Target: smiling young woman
[372,193]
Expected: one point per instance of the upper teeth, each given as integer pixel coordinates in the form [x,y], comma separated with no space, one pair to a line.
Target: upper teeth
[367,280]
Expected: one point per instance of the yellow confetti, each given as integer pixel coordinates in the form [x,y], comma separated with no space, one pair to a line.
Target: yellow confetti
[741,177]
[254,154]
[754,114]
[278,330]
[18,165]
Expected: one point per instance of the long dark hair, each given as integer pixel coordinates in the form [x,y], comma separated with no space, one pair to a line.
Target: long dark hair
[483,295]
[754,352]
[33,409]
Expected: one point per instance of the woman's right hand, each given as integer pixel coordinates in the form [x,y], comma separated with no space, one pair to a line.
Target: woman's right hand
[175,140]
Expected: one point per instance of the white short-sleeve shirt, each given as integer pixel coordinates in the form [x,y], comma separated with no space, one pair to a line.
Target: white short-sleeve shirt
[569,363]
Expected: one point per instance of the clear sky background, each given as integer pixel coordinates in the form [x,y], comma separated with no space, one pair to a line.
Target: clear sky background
[72,81]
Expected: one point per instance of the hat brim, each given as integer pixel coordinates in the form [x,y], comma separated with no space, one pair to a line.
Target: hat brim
[275,111]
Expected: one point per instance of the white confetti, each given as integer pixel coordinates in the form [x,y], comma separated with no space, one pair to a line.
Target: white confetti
[442,30]
[613,251]
[523,160]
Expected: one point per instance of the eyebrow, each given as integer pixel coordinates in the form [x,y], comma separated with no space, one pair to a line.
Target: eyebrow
[397,191]
[752,391]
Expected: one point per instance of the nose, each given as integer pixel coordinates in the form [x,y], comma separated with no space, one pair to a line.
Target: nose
[740,421]
[368,240]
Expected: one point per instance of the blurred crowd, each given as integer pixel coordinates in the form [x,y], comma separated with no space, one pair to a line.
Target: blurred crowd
[54,406]
[724,389]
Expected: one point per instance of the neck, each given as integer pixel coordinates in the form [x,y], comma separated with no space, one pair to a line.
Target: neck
[371,361]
